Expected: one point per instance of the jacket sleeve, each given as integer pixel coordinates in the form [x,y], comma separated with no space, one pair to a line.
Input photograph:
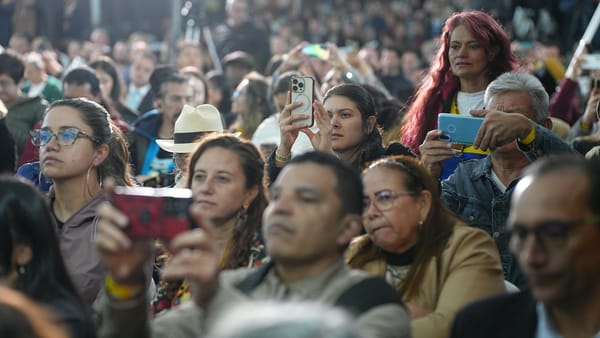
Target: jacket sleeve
[545,143]
[472,272]
[385,321]
[577,131]
[131,318]
[448,191]
[560,103]
[123,319]
[272,169]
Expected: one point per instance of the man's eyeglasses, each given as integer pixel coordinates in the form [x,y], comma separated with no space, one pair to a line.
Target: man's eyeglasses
[384,199]
[64,137]
[549,235]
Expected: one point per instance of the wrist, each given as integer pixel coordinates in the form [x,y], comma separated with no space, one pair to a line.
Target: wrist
[281,157]
[529,137]
[120,291]
[585,126]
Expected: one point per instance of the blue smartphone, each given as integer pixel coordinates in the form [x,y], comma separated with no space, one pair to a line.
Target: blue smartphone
[319,51]
[460,129]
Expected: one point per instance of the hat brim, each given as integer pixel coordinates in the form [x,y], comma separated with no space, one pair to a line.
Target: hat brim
[172,147]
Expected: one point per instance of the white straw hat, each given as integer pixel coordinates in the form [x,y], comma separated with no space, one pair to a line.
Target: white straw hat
[192,123]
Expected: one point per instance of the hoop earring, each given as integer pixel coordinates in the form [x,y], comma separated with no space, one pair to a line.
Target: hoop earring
[21,269]
[242,217]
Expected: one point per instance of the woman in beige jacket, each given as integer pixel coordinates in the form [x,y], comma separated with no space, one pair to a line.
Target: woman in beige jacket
[437,263]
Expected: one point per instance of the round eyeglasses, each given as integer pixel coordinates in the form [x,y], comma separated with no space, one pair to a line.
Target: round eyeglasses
[64,137]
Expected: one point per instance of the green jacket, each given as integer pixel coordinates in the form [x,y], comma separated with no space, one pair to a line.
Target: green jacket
[51,92]
[21,118]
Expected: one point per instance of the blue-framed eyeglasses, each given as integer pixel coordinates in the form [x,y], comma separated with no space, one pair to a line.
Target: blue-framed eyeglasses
[64,137]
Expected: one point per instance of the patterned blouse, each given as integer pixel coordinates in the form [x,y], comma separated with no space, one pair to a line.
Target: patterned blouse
[172,293]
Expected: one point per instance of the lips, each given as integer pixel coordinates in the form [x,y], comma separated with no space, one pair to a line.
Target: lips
[205,203]
[50,159]
[279,229]
[336,136]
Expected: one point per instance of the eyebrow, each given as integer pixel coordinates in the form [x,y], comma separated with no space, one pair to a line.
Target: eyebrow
[218,171]
[299,190]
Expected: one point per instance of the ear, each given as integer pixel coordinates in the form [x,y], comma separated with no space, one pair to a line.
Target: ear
[424,204]
[251,195]
[157,103]
[101,154]
[371,121]
[22,254]
[493,52]
[349,228]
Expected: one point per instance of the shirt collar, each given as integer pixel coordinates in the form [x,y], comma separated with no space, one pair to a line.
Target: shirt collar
[544,328]
[311,287]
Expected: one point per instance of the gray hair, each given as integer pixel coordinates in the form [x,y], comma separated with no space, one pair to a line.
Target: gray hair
[522,82]
[266,319]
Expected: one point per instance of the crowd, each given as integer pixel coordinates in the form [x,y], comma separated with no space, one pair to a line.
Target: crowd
[369,217]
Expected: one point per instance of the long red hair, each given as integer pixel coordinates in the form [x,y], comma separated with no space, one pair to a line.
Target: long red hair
[440,82]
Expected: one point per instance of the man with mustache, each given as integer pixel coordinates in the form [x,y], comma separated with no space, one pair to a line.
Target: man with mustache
[315,210]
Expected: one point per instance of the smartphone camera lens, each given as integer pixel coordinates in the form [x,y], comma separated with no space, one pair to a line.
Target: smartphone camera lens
[295,81]
[295,88]
[300,84]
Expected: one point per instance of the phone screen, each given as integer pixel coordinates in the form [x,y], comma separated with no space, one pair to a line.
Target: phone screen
[317,51]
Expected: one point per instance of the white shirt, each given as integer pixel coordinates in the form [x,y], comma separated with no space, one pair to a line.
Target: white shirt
[268,132]
[466,102]
[544,328]
[135,96]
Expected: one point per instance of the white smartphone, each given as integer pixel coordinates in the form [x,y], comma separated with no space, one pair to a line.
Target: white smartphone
[303,89]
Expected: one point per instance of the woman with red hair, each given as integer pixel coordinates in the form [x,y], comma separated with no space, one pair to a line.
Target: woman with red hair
[474,50]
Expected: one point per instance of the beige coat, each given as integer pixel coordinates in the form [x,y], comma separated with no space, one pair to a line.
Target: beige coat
[469,270]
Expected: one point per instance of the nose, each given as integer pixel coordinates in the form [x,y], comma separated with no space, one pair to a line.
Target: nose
[280,205]
[532,253]
[52,143]
[335,121]
[371,211]
[207,187]
[463,51]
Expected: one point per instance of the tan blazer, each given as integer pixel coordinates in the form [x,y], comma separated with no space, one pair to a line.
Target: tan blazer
[469,269]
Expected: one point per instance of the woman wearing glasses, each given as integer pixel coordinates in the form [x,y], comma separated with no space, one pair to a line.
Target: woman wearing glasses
[436,263]
[79,148]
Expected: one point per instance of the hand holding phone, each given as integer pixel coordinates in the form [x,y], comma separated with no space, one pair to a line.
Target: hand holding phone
[318,51]
[154,213]
[457,128]
[302,89]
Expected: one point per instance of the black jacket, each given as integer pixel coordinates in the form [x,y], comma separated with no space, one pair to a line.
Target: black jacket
[510,315]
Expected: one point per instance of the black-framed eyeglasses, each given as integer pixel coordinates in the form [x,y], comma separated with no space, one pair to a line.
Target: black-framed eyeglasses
[550,235]
[64,137]
[384,199]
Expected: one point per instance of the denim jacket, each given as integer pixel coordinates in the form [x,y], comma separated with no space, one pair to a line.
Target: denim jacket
[471,193]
